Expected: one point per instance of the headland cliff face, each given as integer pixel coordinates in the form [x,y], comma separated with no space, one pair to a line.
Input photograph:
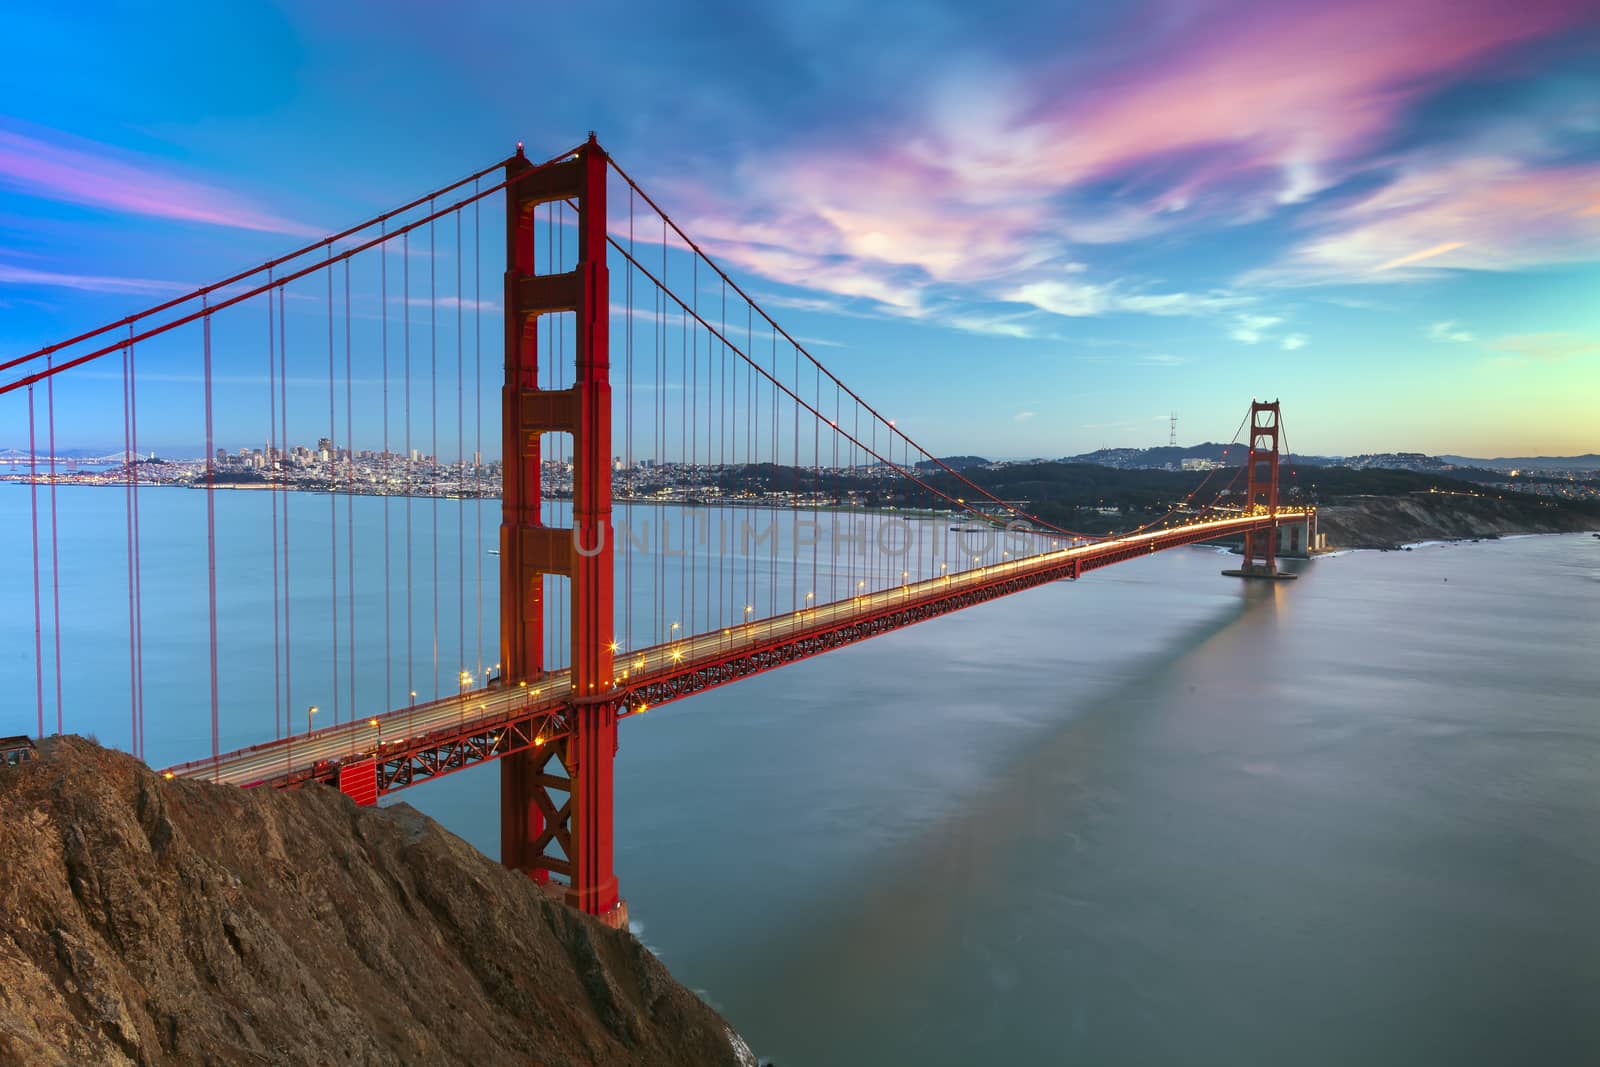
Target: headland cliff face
[147,921]
[1391,521]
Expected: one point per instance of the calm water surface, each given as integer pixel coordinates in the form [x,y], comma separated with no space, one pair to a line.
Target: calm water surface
[1152,817]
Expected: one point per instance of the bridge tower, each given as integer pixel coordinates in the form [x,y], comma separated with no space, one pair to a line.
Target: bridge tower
[1261,492]
[532,824]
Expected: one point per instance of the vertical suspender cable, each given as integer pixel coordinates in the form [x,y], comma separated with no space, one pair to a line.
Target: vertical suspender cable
[33,507]
[794,527]
[772,514]
[816,462]
[857,518]
[658,435]
[272,460]
[461,472]
[283,443]
[349,501]
[750,436]
[405,328]
[724,433]
[833,538]
[388,466]
[691,415]
[211,539]
[433,405]
[477,402]
[333,507]
[627,449]
[55,541]
[138,566]
[127,455]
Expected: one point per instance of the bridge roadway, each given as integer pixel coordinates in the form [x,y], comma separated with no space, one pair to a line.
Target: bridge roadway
[440,736]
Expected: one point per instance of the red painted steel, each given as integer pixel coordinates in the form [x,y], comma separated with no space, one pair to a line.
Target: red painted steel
[540,720]
[530,821]
[359,782]
[1261,485]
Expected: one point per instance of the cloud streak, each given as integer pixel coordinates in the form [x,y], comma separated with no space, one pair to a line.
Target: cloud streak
[11,274]
[1449,331]
[1470,213]
[98,176]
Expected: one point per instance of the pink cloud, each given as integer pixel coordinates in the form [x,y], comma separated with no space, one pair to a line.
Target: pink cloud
[102,177]
[1255,105]
[1297,87]
[1478,213]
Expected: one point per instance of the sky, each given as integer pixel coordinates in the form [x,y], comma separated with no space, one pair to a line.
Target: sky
[1027,229]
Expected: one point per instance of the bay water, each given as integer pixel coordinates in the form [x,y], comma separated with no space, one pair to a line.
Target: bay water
[1155,816]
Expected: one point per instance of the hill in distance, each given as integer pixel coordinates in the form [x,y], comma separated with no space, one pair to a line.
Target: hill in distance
[1587,462]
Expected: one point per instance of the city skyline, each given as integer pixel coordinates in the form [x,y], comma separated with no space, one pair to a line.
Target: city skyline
[1402,245]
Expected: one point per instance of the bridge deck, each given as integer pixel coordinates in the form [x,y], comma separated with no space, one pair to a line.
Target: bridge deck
[426,740]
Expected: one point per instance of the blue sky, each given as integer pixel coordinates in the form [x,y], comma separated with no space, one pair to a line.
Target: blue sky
[1028,229]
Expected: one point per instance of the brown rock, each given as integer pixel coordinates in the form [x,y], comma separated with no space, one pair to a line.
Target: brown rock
[145,921]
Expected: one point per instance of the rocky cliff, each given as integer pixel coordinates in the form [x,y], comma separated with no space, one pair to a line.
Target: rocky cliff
[175,922]
[1391,521]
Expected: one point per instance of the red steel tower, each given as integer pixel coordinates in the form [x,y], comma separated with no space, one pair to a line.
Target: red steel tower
[1261,486]
[532,824]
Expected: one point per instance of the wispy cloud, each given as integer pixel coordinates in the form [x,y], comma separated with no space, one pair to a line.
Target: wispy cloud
[1253,329]
[1163,359]
[1294,341]
[94,175]
[1468,213]
[1449,331]
[1556,347]
[820,342]
[1023,416]
[1076,299]
[451,303]
[11,274]
[1417,257]
[991,325]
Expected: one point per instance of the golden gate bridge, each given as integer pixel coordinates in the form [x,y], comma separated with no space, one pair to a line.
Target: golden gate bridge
[627,347]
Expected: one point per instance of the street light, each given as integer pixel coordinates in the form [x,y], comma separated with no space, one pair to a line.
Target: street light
[310,714]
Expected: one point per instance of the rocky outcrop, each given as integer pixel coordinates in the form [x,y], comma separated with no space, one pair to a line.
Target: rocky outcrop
[1391,521]
[176,922]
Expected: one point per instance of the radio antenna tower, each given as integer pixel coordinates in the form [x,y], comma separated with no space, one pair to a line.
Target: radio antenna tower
[1172,431]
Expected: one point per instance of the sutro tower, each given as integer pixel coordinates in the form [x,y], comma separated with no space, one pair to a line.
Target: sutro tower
[1172,430]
